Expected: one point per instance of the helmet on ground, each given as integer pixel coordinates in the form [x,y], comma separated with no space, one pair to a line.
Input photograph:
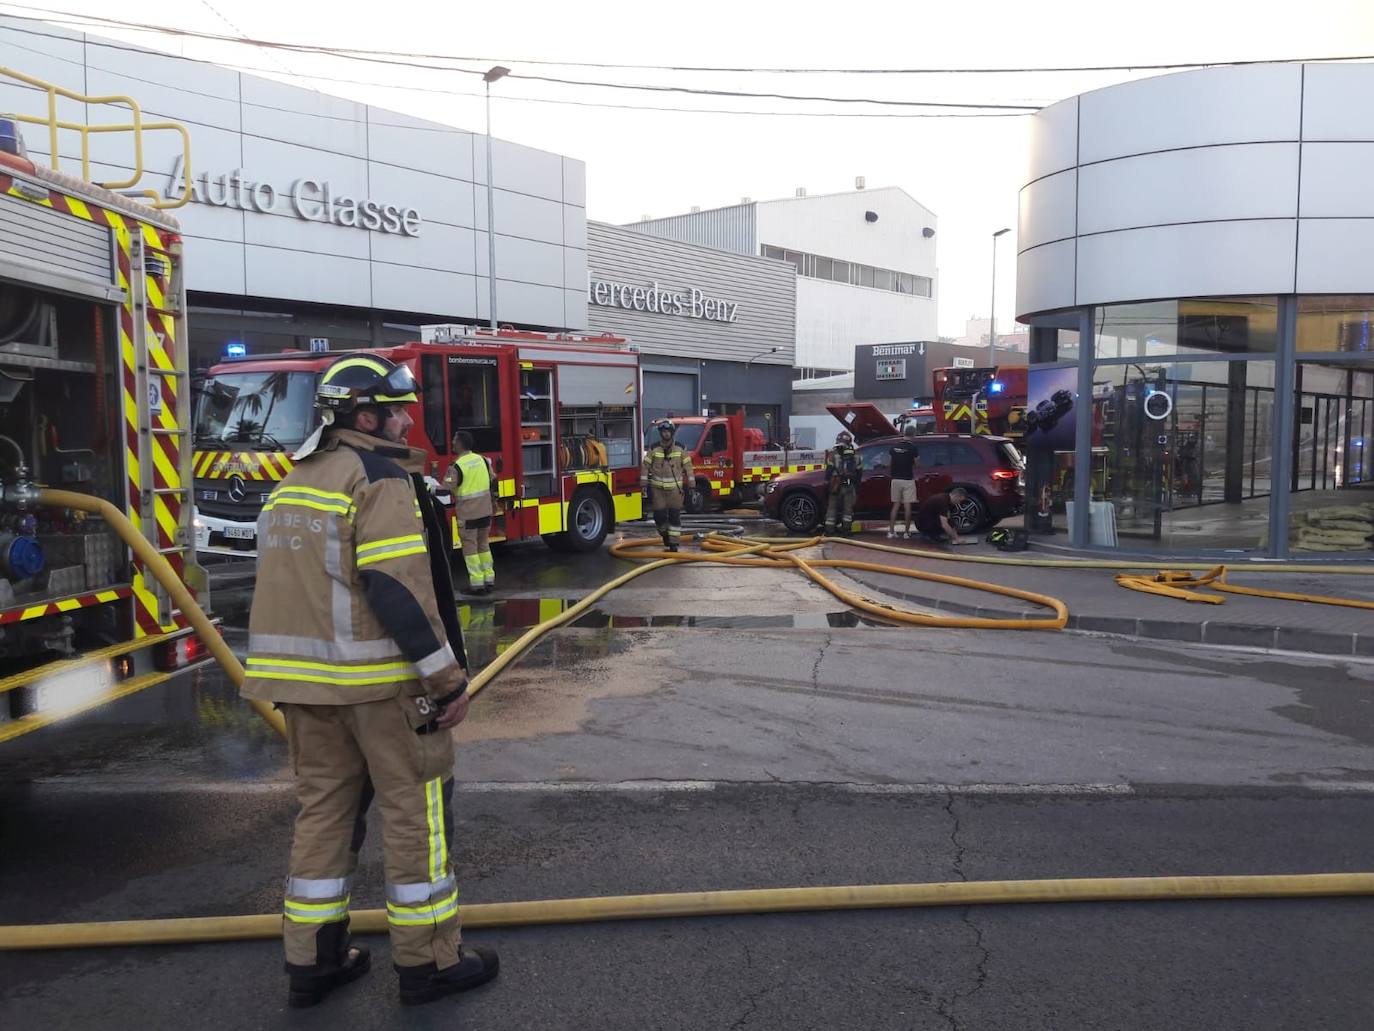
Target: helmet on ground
[844,437]
[364,379]
[665,424]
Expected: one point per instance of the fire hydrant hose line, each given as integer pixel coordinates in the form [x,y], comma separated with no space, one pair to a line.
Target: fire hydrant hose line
[729,551]
[159,568]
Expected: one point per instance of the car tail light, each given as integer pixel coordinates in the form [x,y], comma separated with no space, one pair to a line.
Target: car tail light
[1005,474]
[180,653]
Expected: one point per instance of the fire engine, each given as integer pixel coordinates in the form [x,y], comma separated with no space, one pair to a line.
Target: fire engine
[989,401]
[557,415]
[731,463]
[94,399]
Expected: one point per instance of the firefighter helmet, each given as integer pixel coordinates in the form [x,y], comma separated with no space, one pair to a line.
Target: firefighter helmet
[665,424]
[844,437]
[364,379]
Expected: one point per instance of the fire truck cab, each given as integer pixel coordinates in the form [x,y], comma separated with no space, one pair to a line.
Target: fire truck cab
[556,414]
[987,401]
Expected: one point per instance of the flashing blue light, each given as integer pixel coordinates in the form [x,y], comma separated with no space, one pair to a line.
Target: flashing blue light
[234,349]
[1358,442]
[996,387]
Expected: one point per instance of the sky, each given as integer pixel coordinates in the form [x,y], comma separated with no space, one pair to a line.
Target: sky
[657,162]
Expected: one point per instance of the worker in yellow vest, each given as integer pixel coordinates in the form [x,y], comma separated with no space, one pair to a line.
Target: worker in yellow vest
[473,485]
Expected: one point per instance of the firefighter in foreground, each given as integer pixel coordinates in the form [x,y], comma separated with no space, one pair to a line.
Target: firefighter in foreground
[474,498]
[667,476]
[843,469]
[354,635]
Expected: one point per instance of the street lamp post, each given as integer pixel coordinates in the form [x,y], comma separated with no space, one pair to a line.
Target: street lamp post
[992,314]
[762,354]
[492,74]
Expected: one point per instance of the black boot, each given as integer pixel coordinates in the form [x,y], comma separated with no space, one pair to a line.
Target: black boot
[311,984]
[476,966]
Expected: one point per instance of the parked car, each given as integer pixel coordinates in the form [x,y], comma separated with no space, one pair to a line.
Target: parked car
[990,469]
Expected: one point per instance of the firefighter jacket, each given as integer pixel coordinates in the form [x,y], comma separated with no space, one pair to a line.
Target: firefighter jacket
[352,604]
[473,485]
[846,463]
[666,468]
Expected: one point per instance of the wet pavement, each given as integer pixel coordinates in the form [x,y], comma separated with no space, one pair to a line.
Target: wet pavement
[720,728]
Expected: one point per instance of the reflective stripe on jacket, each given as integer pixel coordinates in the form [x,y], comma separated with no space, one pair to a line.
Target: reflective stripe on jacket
[666,468]
[344,608]
[470,478]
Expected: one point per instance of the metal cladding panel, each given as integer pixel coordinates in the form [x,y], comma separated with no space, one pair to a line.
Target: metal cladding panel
[764,291]
[34,233]
[727,229]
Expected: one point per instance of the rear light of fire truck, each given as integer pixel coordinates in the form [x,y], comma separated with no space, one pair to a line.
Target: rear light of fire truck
[180,653]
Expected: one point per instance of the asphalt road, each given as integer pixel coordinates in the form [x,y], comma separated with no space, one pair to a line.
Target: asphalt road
[761,747]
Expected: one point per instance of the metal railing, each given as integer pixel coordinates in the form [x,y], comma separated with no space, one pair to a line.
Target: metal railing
[137,127]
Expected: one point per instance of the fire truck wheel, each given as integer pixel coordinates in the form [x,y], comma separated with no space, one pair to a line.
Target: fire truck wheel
[588,520]
[971,515]
[694,502]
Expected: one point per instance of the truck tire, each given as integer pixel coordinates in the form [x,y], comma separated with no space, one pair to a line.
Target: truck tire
[800,512]
[589,520]
[695,501]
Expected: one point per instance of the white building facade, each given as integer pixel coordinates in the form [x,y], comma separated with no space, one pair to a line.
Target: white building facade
[1197,268]
[313,216]
[865,263]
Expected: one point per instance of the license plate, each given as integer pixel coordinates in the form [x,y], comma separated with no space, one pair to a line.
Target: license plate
[240,533]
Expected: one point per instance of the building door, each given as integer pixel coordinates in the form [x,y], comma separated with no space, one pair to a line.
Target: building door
[669,394]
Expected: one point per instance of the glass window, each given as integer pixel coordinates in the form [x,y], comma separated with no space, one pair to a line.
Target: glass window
[1336,322]
[923,286]
[840,271]
[1332,504]
[905,284]
[882,278]
[1182,453]
[865,274]
[267,410]
[825,268]
[1204,325]
[932,455]
[432,396]
[795,257]
[961,453]
[770,251]
[876,456]
[809,265]
[474,401]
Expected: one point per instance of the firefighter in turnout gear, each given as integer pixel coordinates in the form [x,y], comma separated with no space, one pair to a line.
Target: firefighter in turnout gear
[667,476]
[843,469]
[473,484]
[354,636]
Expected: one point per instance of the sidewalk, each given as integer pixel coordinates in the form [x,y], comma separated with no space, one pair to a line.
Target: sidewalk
[1096,603]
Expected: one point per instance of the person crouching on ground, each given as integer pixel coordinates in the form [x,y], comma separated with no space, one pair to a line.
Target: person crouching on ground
[932,518]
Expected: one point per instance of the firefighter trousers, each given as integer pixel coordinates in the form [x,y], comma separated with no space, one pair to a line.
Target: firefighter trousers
[667,506]
[841,501]
[343,755]
[476,542]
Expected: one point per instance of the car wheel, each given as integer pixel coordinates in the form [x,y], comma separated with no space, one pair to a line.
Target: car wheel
[969,515]
[799,512]
[588,520]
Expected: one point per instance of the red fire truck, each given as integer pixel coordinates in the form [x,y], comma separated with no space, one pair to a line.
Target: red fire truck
[731,463]
[94,388]
[557,414]
[997,396]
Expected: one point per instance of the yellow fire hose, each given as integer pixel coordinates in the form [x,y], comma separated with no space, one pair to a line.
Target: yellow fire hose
[718,903]
[162,571]
[1175,583]
[769,900]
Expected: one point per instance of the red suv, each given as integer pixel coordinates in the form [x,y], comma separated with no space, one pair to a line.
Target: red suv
[990,469]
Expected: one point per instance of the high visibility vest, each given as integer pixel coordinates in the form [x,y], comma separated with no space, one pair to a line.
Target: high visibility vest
[472,497]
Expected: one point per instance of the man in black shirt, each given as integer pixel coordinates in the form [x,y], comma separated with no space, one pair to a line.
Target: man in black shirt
[903,481]
[932,519]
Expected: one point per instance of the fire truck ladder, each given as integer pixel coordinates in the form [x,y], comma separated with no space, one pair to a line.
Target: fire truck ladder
[149,380]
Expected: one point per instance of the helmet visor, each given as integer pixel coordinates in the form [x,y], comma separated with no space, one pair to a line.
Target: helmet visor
[398,387]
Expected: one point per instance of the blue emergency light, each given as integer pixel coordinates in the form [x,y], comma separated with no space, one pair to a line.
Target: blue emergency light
[995,387]
[234,349]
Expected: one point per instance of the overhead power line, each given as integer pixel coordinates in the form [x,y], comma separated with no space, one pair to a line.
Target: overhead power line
[370,53]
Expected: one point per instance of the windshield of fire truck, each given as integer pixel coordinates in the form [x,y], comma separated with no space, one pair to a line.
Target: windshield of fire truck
[271,411]
[687,436]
